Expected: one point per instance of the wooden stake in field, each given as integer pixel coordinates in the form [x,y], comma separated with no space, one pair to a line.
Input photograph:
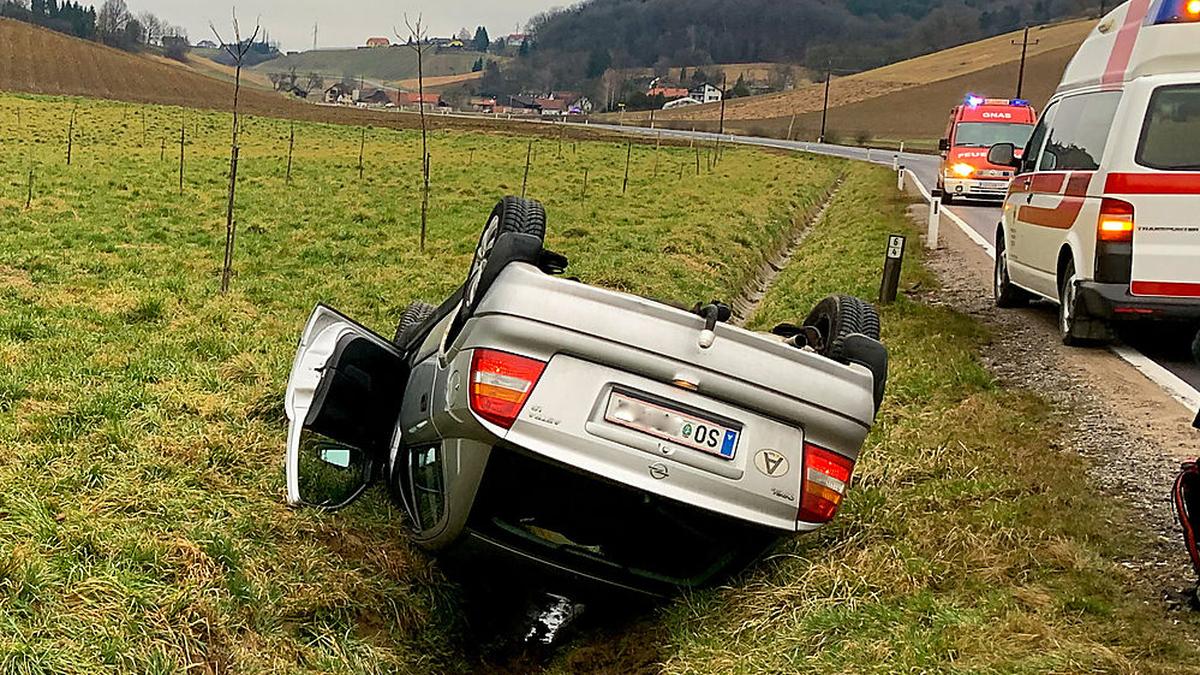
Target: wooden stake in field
[791,126]
[561,130]
[657,148]
[71,135]
[528,161]
[362,147]
[29,194]
[291,149]
[238,51]
[697,160]
[182,130]
[143,129]
[586,172]
[162,150]
[628,160]
[417,40]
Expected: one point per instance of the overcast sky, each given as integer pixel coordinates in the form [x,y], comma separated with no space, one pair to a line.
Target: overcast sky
[344,23]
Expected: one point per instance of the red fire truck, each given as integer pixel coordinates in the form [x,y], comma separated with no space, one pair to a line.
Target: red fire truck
[975,126]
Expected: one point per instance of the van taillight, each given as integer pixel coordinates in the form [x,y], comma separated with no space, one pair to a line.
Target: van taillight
[1116,221]
[501,383]
[826,478]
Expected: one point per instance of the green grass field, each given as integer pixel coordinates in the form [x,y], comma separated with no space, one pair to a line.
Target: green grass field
[142,526]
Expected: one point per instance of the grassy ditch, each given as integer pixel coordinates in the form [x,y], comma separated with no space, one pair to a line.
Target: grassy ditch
[141,519]
[969,542]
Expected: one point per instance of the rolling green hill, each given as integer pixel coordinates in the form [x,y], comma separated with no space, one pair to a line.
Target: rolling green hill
[382,64]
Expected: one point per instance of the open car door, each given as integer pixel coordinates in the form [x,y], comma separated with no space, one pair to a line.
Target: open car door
[343,399]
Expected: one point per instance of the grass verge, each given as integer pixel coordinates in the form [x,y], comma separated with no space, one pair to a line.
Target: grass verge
[969,543]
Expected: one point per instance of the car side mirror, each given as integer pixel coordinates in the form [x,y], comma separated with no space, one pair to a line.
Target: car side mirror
[332,474]
[944,145]
[1003,154]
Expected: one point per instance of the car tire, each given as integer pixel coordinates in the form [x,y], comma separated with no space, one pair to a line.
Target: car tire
[947,198]
[524,218]
[837,318]
[1007,295]
[411,318]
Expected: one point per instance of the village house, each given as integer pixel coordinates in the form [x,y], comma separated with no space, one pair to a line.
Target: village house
[706,93]
[339,93]
[378,42]
[668,93]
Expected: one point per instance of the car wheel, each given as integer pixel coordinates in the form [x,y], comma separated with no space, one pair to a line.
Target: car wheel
[837,318]
[513,215]
[1006,294]
[411,319]
[947,198]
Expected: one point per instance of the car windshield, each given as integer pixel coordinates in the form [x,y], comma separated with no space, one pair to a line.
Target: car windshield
[1171,136]
[987,134]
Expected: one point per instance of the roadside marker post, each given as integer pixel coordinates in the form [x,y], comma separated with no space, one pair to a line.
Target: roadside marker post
[900,179]
[935,220]
[896,163]
[891,269]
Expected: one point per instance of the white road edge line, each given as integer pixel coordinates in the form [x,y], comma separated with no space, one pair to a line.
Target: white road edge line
[1171,383]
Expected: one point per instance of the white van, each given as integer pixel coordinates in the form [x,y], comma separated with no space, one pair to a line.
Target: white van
[1103,216]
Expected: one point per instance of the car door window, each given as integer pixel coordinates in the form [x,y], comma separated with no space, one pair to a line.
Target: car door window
[428,485]
[1079,132]
[1036,141]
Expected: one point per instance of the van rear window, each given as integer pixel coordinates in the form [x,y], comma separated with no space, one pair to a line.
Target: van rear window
[1171,135]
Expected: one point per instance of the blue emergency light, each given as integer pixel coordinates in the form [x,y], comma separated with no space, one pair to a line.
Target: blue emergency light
[1019,103]
[975,101]
[1178,11]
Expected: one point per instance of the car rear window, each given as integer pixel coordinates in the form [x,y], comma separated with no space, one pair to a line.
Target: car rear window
[1171,135]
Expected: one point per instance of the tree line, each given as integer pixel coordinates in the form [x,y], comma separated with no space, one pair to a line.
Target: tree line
[575,48]
[113,24]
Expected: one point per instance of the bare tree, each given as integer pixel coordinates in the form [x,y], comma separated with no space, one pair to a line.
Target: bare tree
[153,26]
[237,51]
[418,42]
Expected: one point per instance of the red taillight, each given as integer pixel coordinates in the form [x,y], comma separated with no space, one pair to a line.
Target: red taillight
[1116,221]
[501,383]
[826,478]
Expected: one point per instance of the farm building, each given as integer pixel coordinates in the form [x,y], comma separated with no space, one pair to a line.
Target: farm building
[379,42]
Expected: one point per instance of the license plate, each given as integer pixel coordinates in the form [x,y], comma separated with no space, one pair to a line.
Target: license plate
[686,429]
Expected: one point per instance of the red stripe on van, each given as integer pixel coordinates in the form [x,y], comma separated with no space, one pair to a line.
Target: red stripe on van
[1122,53]
[1166,289]
[1153,184]
[1048,183]
[1078,183]
[1061,218]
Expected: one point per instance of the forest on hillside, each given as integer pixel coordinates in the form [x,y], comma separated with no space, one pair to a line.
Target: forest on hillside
[574,48]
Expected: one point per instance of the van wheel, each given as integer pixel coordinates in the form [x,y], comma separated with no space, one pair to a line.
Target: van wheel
[1076,330]
[411,319]
[1006,294]
[947,198]
[837,318]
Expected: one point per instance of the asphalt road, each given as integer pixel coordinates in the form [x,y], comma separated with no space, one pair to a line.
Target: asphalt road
[1171,353]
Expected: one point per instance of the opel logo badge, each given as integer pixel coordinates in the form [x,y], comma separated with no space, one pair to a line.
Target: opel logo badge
[659,471]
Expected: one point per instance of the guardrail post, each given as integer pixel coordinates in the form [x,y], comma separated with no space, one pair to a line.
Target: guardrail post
[892,265]
[900,178]
[935,220]
[902,147]
[895,162]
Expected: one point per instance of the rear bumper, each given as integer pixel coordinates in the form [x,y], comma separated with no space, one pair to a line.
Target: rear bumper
[1113,302]
[976,189]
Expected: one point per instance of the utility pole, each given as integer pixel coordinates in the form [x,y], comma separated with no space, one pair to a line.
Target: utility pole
[314,36]
[825,107]
[1025,45]
[724,90]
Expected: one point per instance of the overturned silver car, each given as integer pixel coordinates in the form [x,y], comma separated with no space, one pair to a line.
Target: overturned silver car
[583,432]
